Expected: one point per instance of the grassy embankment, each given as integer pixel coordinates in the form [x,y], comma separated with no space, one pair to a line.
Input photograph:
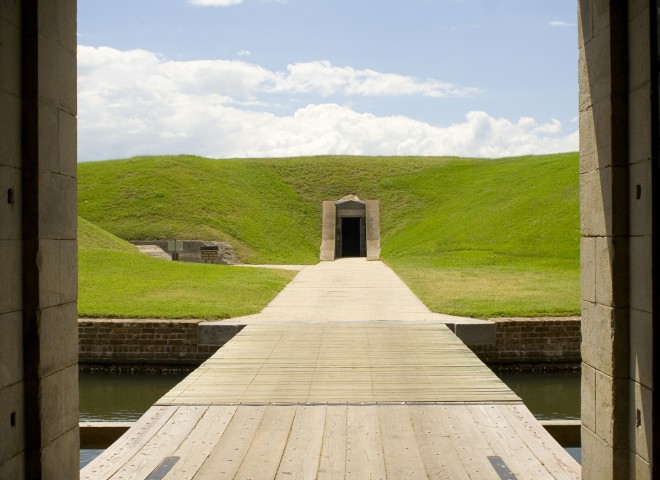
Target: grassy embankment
[115,280]
[471,237]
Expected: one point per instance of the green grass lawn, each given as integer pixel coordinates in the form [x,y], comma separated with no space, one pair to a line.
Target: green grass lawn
[475,237]
[117,281]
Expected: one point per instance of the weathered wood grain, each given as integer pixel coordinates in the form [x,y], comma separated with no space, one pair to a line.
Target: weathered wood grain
[339,402]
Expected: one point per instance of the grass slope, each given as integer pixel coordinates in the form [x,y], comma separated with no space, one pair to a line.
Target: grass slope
[92,237]
[115,280]
[243,203]
[470,236]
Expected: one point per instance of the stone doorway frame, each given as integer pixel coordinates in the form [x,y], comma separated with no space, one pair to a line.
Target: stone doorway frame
[350,206]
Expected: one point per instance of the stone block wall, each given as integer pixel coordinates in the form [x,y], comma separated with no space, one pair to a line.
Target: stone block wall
[38,289]
[138,342]
[533,341]
[618,104]
[12,433]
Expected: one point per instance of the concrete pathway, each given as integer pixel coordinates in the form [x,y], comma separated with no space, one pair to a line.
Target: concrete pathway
[353,290]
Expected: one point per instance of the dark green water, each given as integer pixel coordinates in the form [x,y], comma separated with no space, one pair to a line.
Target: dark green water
[125,397]
[121,398]
[549,396]
[106,397]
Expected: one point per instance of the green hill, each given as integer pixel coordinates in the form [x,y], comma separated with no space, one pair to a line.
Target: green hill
[471,236]
[115,280]
[92,237]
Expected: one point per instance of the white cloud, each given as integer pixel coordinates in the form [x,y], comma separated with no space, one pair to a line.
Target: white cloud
[246,80]
[325,79]
[244,53]
[214,3]
[561,24]
[137,103]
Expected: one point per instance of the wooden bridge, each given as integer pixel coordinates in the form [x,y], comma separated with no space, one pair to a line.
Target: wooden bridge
[396,396]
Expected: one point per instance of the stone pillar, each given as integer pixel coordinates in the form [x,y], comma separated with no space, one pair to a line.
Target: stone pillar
[38,291]
[12,435]
[616,138]
[642,154]
[328,231]
[373,229]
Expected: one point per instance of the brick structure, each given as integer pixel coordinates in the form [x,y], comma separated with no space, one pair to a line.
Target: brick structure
[140,342]
[541,341]
[533,341]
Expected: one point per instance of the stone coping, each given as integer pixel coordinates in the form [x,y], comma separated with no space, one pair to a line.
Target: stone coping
[241,320]
[535,319]
[141,320]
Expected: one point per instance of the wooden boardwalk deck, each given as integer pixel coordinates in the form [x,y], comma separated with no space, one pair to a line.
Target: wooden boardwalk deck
[338,401]
[441,441]
[341,364]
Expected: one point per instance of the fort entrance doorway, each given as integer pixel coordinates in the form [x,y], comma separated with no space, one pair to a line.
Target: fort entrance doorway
[352,237]
[351,228]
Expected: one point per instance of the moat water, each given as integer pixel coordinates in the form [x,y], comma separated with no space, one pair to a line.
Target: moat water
[125,397]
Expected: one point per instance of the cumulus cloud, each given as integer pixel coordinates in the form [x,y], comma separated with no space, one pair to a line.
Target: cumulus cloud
[214,3]
[137,103]
[325,79]
[239,78]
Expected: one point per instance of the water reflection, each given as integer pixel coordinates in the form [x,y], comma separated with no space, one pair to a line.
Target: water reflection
[548,396]
[121,397]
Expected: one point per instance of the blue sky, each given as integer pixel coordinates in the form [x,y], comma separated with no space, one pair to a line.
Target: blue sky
[232,78]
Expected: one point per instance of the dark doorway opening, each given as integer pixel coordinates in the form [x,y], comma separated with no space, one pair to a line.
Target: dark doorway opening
[350,237]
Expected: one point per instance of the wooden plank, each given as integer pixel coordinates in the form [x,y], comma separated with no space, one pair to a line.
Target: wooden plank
[228,453]
[435,446]
[162,444]
[265,453]
[332,464]
[402,458]
[342,363]
[514,453]
[364,446]
[548,452]
[200,442]
[472,448]
[303,450]
[112,459]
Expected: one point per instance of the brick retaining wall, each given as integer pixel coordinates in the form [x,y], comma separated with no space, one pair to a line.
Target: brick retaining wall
[174,342]
[536,340]
[171,342]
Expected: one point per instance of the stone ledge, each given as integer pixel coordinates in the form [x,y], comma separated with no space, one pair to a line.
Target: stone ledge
[215,334]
